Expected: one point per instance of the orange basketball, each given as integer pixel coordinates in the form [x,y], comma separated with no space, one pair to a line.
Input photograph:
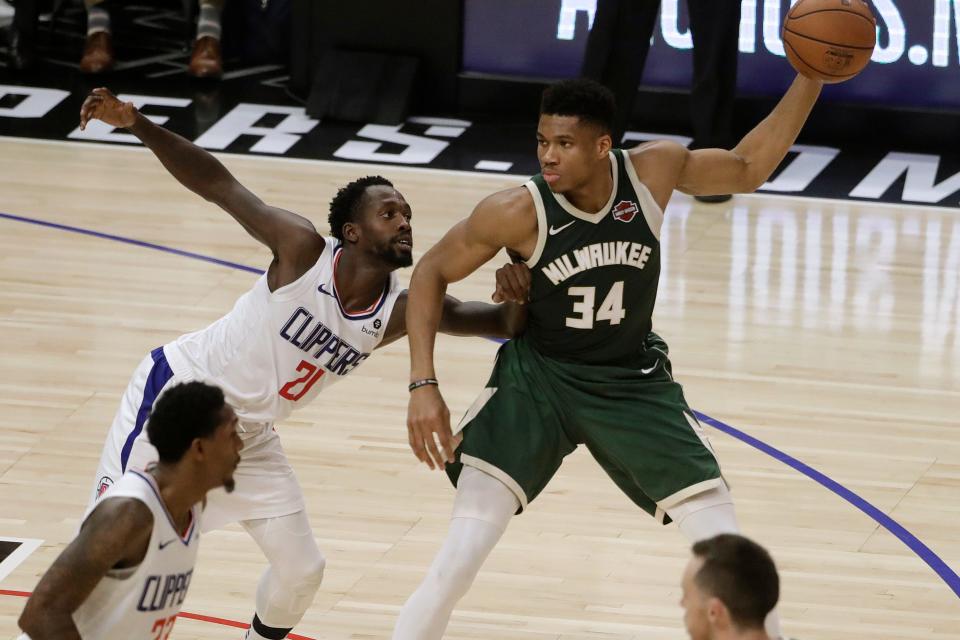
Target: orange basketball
[831,40]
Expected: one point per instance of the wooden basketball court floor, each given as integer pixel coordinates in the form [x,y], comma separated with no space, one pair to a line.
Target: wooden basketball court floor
[828,330]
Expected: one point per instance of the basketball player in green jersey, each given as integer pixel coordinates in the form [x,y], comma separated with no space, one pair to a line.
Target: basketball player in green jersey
[588,370]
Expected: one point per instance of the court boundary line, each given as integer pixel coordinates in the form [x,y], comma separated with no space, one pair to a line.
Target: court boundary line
[922,551]
[183,614]
[463,173]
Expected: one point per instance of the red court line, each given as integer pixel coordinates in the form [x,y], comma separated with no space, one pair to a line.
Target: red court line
[182,614]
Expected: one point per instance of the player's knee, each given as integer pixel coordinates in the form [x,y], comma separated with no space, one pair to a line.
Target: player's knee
[307,573]
[301,574]
[313,570]
[452,581]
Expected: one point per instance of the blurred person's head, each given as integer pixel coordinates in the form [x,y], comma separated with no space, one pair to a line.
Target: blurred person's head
[369,214]
[729,586]
[195,432]
[574,134]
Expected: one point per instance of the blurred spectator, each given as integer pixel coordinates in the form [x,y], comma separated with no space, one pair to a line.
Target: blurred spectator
[729,587]
[617,50]
[6,14]
[206,60]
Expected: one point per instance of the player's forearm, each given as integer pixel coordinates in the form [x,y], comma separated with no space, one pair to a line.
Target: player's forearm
[481,319]
[764,147]
[193,167]
[47,623]
[424,310]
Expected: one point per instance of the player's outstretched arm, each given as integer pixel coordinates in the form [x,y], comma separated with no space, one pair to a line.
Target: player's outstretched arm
[197,170]
[748,165]
[115,535]
[505,219]
[506,319]
[460,318]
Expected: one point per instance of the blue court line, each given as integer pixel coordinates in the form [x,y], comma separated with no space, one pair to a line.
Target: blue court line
[922,551]
[137,243]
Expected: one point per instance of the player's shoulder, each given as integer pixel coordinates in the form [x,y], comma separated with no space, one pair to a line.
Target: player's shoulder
[124,515]
[513,201]
[657,151]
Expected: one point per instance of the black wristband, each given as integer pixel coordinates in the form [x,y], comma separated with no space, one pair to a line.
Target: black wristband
[416,384]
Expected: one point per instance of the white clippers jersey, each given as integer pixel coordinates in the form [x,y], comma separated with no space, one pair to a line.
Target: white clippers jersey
[275,351]
[141,603]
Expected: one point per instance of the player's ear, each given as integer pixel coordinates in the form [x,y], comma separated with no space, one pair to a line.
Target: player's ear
[198,448]
[604,144]
[351,232]
[717,612]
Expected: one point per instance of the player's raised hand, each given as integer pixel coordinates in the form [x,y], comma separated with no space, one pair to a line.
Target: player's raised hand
[513,283]
[103,105]
[427,414]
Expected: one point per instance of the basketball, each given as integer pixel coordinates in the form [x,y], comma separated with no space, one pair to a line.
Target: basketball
[830,40]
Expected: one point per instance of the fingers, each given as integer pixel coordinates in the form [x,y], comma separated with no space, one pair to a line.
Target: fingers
[446,442]
[416,444]
[96,105]
[519,282]
[436,460]
[423,441]
[513,283]
[420,437]
[91,109]
[428,415]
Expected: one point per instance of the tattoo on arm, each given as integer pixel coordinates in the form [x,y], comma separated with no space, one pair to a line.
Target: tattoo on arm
[116,534]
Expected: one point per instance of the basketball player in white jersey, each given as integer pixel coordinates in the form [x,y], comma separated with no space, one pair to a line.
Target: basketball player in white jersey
[127,572]
[322,307]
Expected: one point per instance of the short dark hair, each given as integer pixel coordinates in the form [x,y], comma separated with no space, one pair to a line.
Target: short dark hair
[741,574]
[184,412]
[346,204]
[587,99]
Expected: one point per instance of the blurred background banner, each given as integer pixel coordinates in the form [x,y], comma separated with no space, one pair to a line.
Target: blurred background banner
[916,63]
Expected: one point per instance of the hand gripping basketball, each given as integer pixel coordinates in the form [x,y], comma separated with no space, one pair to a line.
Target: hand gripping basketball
[830,40]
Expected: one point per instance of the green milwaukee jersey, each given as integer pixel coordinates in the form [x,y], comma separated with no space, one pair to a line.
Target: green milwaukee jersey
[594,275]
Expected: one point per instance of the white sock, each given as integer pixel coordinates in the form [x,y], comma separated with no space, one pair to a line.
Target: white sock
[208,23]
[483,507]
[98,19]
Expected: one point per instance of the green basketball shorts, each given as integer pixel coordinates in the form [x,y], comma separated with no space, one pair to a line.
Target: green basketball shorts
[634,421]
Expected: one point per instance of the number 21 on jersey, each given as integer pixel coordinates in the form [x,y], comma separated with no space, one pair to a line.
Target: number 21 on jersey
[610,310]
[298,387]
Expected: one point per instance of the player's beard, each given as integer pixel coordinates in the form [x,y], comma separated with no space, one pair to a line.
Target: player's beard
[395,256]
[229,484]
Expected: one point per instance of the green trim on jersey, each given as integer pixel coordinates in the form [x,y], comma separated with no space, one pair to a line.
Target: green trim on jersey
[595,275]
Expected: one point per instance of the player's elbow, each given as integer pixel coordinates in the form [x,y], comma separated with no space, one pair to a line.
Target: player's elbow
[31,618]
[752,176]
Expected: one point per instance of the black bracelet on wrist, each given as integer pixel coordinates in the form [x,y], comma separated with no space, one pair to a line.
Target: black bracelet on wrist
[416,384]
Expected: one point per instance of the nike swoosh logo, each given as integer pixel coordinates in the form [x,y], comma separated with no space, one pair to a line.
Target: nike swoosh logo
[555,230]
[168,542]
[644,372]
[325,292]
